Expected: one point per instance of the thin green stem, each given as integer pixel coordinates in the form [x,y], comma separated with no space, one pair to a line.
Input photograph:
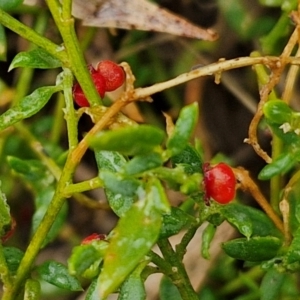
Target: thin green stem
[65,25]
[57,201]
[177,273]
[276,182]
[25,78]
[32,36]
[234,285]
[38,149]
[181,247]
[58,117]
[83,186]
[71,117]
[39,237]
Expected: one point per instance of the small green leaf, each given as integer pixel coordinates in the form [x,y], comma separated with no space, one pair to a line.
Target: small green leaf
[37,58]
[3,44]
[118,184]
[261,223]
[157,194]
[13,257]
[190,159]
[271,285]
[129,140]
[42,202]
[253,249]
[114,162]
[174,222]
[32,290]
[168,291]
[28,106]
[10,4]
[293,253]
[132,238]
[277,111]
[235,215]
[5,219]
[282,164]
[93,291]
[58,275]
[142,163]
[34,171]
[133,287]
[84,257]
[207,236]
[183,130]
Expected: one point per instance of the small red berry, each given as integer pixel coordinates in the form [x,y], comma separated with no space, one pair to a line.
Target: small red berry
[219,183]
[93,237]
[78,94]
[114,74]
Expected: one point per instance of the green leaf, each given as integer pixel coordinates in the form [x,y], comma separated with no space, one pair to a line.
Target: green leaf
[167,290]
[5,219]
[253,249]
[282,164]
[271,285]
[142,163]
[183,130]
[261,223]
[93,291]
[28,106]
[129,140]
[289,138]
[190,159]
[118,184]
[34,171]
[10,4]
[133,287]
[3,44]
[277,111]
[236,216]
[13,257]
[293,253]
[88,256]
[32,290]
[132,238]
[37,58]
[174,222]
[113,161]
[207,236]
[58,275]
[42,202]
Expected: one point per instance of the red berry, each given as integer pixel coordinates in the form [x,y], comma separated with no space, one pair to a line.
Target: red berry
[114,74]
[78,94]
[219,183]
[93,237]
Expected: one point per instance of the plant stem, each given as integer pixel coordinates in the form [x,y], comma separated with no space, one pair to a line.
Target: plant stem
[83,186]
[249,185]
[65,24]
[177,272]
[57,201]
[30,35]
[181,247]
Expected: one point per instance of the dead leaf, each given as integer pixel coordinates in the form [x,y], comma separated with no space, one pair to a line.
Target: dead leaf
[137,14]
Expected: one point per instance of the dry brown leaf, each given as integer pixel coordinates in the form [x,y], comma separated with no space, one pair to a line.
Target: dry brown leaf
[137,14]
